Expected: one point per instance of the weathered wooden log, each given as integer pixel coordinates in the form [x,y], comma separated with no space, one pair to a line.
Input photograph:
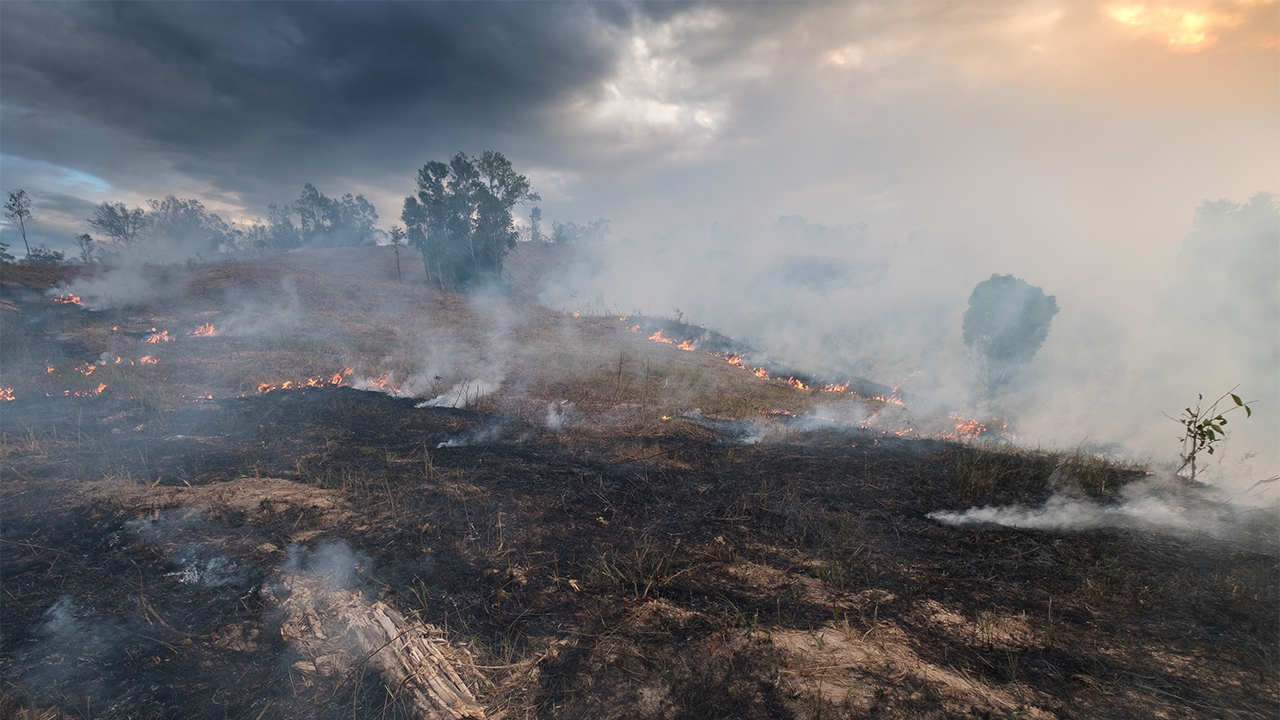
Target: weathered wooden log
[336,630]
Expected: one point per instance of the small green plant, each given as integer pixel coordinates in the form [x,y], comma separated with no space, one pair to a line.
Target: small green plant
[1203,427]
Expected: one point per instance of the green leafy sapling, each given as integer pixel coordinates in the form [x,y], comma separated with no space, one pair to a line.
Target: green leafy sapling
[1203,427]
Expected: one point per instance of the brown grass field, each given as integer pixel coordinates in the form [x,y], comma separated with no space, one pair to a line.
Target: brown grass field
[560,536]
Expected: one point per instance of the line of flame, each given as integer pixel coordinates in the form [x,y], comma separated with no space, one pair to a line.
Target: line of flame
[337,379]
[736,359]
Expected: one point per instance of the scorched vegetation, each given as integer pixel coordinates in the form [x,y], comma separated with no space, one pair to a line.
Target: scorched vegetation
[299,487]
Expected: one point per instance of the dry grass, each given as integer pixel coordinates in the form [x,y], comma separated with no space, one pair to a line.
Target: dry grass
[620,565]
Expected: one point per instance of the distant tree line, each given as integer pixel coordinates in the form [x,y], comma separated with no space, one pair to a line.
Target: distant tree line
[565,232]
[460,219]
[185,226]
[571,232]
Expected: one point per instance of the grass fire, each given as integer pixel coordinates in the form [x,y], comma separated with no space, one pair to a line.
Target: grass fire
[355,485]
[640,360]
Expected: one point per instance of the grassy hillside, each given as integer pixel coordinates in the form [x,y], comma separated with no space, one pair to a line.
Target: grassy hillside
[555,516]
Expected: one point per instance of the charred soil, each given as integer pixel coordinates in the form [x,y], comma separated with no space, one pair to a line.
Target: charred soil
[172,555]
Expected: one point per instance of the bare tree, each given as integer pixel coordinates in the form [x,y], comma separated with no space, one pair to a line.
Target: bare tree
[122,225]
[18,209]
[398,243]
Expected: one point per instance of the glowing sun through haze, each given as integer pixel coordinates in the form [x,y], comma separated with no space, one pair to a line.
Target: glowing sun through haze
[1186,27]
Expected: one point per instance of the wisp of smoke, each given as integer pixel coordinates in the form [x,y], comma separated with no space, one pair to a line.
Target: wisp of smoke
[1162,503]
[69,648]
[117,288]
[740,432]
[493,428]
[334,564]
[560,415]
[463,394]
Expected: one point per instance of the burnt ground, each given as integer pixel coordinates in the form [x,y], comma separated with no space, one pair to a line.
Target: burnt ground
[695,579]
[637,563]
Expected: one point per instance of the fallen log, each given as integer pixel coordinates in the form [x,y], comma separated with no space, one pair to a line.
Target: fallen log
[335,631]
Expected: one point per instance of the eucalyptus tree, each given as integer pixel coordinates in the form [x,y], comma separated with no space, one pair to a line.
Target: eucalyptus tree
[460,218]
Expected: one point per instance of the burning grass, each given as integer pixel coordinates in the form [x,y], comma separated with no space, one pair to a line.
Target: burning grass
[577,543]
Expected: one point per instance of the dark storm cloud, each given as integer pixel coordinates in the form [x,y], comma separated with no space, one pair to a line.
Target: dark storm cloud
[253,94]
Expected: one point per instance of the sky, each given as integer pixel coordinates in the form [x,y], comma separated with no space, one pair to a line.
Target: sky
[1068,143]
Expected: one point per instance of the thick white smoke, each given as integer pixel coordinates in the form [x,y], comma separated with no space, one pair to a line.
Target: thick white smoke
[841,303]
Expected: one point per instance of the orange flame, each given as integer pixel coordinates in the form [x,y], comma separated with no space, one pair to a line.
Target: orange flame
[634,329]
[382,384]
[966,429]
[158,337]
[87,369]
[147,360]
[85,393]
[338,379]
[68,299]
[205,330]
[687,345]
[6,394]
[48,370]
[657,337]
[842,387]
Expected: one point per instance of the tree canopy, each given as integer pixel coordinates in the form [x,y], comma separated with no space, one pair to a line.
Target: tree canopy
[1005,325]
[460,217]
[571,232]
[121,224]
[315,220]
[184,223]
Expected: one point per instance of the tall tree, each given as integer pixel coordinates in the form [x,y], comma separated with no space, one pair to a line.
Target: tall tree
[460,218]
[1004,327]
[122,225]
[185,223]
[18,209]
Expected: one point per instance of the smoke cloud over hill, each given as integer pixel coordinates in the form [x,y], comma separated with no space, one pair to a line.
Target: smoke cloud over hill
[825,182]
[841,303]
